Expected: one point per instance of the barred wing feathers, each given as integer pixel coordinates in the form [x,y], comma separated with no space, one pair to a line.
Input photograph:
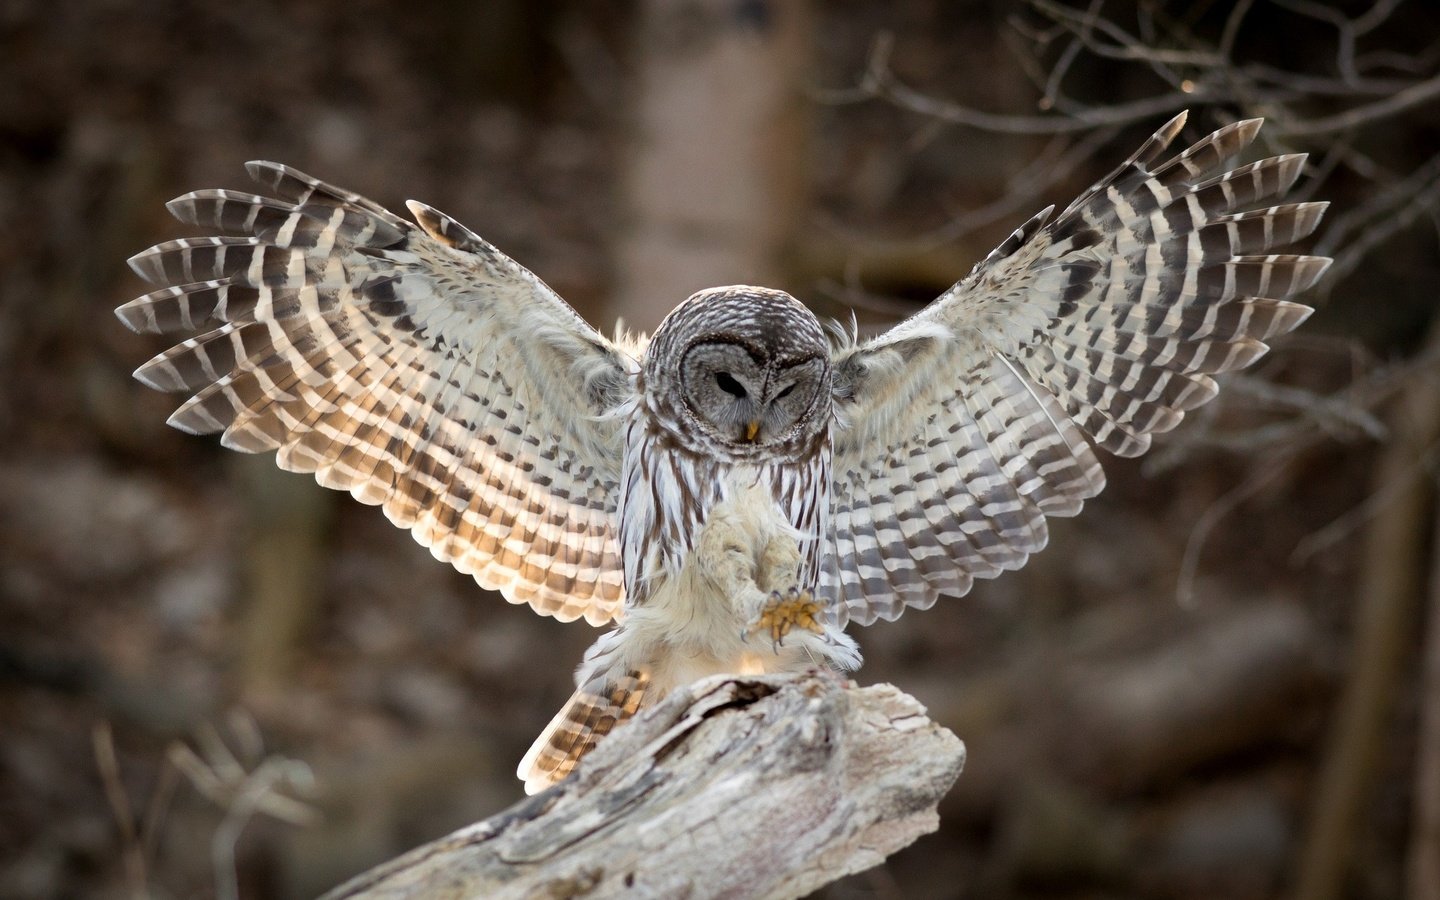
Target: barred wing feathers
[418,368]
[963,427]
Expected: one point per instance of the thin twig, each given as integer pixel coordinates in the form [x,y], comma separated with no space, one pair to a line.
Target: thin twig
[1354,518]
[133,848]
[1215,513]
[880,82]
[223,778]
[1226,50]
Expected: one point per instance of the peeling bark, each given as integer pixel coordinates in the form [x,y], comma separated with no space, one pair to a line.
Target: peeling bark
[754,786]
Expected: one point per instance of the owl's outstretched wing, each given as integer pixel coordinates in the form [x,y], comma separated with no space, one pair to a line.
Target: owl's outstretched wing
[418,368]
[966,425]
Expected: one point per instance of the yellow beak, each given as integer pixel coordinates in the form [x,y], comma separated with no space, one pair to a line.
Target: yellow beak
[751,429]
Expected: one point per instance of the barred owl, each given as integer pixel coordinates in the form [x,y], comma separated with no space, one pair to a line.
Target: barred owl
[735,490]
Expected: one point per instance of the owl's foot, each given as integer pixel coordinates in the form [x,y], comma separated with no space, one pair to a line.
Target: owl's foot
[783,613]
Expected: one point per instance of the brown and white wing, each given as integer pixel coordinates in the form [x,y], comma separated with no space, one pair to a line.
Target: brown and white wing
[966,425]
[418,368]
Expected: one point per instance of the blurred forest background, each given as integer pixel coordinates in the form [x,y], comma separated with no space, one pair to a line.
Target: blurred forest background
[218,679]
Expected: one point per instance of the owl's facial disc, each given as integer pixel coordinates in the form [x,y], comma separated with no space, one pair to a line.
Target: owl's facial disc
[742,396]
[790,393]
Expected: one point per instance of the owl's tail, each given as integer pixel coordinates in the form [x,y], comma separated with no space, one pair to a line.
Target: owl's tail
[598,706]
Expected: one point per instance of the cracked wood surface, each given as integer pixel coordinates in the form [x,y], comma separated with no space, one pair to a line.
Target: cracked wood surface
[743,786]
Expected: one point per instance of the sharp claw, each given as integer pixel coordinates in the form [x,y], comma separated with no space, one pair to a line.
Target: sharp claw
[783,612]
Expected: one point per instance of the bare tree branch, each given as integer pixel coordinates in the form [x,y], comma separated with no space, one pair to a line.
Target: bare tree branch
[879,82]
[1402,101]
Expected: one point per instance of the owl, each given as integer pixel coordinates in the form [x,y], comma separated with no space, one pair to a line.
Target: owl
[734,490]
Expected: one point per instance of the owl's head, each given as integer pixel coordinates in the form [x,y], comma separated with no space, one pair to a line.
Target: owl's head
[746,367]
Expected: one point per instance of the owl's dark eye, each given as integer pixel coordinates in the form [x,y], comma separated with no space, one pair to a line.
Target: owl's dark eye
[729,385]
[785,393]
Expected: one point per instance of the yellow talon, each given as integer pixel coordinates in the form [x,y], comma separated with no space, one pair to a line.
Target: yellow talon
[785,612]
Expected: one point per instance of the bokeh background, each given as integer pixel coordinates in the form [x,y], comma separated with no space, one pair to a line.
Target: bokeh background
[218,679]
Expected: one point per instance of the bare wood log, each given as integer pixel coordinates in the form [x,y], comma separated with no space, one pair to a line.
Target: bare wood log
[754,786]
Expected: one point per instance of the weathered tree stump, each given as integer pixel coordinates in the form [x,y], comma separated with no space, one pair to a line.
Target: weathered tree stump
[745,786]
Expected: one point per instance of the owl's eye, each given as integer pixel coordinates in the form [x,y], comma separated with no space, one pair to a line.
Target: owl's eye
[729,385]
[785,393]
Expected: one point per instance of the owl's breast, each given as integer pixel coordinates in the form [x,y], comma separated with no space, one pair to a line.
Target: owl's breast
[668,495]
[706,543]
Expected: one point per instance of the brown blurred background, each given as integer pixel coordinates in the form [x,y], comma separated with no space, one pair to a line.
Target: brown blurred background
[1209,685]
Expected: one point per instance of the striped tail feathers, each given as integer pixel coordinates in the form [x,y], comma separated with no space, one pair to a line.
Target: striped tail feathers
[590,714]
